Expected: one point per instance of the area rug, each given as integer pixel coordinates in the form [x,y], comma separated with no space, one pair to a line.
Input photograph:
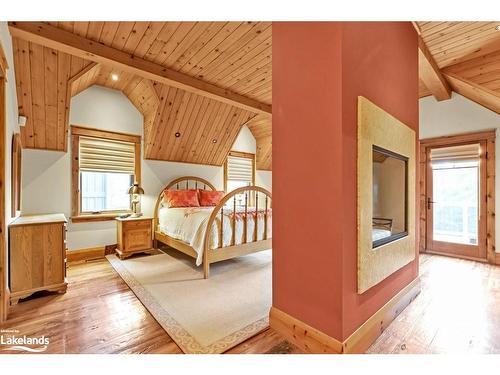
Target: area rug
[202,316]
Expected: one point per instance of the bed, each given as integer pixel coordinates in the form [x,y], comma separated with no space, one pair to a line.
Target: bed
[381,228]
[240,224]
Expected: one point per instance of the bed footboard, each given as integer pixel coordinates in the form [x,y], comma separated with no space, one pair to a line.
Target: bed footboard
[243,202]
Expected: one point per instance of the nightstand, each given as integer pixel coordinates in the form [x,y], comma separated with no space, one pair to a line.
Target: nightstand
[134,235]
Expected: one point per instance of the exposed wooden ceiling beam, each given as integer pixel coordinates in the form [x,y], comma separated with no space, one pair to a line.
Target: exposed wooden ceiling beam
[479,94]
[430,74]
[53,37]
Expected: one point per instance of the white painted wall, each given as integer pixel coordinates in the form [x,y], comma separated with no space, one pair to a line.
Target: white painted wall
[46,185]
[460,115]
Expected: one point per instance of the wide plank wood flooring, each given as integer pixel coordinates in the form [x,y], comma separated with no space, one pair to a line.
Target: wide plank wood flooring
[457,311]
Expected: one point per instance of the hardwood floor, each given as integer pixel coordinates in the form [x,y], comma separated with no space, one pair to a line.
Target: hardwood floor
[457,311]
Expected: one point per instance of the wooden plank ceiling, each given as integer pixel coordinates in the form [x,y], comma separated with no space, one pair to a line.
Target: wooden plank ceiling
[467,54]
[178,125]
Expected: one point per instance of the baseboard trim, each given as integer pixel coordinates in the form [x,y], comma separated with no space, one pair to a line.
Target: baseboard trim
[307,338]
[312,340]
[85,255]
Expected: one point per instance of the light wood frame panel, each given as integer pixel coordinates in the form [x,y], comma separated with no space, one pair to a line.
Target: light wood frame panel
[49,36]
[240,155]
[76,131]
[4,292]
[221,252]
[378,128]
[487,136]
[16,174]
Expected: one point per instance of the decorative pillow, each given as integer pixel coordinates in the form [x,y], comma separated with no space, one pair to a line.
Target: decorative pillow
[210,198]
[181,198]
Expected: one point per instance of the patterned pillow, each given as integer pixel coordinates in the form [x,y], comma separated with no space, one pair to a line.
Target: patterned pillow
[210,198]
[181,198]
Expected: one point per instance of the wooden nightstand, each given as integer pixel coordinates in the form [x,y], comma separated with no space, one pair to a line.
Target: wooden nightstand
[134,235]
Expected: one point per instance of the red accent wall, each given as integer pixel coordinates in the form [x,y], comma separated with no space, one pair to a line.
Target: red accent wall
[307,167]
[379,62]
[319,70]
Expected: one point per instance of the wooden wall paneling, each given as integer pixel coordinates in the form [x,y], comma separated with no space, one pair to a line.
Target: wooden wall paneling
[38,95]
[423,198]
[490,202]
[173,102]
[53,37]
[230,136]
[149,37]
[232,50]
[166,95]
[479,94]
[194,143]
[187,40]
[122,33]
[430,74]
[50,93]
[108,32]
[213,152]
[186,150]
[162,38]
[225,114]
[3,245]
[172,38]
[205,38]
[213,46]
[63,76]
[95,29]
[191,122]
[454,42]
[23,84]
[175,121]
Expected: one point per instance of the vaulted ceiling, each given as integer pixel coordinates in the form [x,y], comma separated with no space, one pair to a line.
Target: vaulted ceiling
[463,57]
[196,83]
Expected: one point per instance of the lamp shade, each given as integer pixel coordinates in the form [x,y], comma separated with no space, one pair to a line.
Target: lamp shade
[135,189]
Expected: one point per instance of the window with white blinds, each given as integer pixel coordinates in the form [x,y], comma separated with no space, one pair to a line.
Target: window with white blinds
[104,165]
[239,171]
[103,155]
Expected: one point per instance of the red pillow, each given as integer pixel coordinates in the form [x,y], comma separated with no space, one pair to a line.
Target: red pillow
[210,198]
[181,198]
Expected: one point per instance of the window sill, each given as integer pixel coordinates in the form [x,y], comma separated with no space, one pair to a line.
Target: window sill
[96,217]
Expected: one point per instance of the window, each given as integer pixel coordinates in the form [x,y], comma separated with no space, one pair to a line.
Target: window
[105,165]
[239,170]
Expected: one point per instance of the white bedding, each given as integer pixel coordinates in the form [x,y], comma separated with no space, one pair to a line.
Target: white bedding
[378,234]
[189,224]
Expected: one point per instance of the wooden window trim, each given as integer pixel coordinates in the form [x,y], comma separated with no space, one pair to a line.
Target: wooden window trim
[16,163]
[76,131]
[4,291]
[487,136]
[241,155]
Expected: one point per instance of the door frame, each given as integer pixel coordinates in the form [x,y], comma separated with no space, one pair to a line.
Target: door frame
[488,138]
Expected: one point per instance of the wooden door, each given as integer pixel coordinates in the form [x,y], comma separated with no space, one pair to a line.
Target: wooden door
[456,207]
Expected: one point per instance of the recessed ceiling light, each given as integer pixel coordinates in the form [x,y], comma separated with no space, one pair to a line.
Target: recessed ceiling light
[497,27]
[114,77]
[214,140]
[177,135]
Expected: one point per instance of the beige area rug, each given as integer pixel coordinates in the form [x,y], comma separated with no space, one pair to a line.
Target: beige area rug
[202,316]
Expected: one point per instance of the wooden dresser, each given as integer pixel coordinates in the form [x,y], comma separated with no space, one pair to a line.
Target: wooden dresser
[134,235]
[37,256]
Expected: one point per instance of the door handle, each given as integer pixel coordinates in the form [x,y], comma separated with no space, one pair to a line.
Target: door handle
[429,202]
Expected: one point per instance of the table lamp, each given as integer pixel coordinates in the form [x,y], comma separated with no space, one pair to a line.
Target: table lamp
[136,191]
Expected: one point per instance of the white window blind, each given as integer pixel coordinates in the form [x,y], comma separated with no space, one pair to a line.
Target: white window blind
[240,169]
[463,153]
[104,155]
